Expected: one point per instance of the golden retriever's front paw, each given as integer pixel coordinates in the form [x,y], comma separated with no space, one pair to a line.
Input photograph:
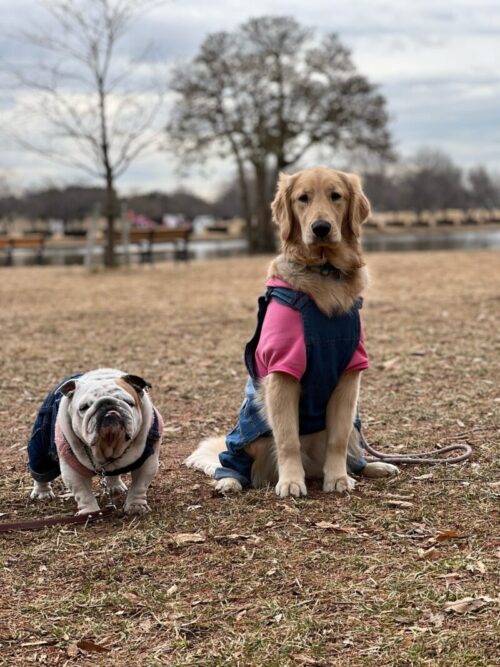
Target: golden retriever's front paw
[291,487]
[228,485]
[377,469]
[342,484]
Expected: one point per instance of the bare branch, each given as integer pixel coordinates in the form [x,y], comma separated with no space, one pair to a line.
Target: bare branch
[91,123]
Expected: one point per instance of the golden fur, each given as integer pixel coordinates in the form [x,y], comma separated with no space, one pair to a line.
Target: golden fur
[336,200]
[342,249]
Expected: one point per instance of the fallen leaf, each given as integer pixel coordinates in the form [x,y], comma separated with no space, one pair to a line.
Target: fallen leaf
[188,538]
[451,576]
[403,620]
[91,647]
[291,510]
[450,535]
[429,554]
[428,475]
[477,566]
[232,537]
[399,503]
[389,363]
[40,642]
[327,525]
[305,659]
[436,620]
[172,590]
[72,651]
[146,625]
[466,605]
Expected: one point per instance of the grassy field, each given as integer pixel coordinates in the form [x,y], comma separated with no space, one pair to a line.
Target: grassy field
[359,580]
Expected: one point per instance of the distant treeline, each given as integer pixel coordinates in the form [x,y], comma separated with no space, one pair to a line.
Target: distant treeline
[430,181]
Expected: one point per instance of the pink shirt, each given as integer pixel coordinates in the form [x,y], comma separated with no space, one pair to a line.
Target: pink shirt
[282,345]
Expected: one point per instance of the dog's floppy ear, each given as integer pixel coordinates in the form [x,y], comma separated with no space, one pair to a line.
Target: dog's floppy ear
[359,206]
[282,206]
[138,383]
[68,388]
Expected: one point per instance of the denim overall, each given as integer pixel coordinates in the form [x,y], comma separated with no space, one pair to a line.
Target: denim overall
[43,461]
[330,344]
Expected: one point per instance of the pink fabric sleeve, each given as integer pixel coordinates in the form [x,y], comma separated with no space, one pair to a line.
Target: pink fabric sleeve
[359,360]
[281,347]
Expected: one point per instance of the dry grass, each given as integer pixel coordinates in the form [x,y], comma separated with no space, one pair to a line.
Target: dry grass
[267,585]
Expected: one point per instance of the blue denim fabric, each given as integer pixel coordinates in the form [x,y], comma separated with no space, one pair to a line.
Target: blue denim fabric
[251,425]
[330,345]
[43,461]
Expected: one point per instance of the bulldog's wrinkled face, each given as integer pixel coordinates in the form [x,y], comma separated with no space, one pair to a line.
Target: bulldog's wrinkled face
[106,413]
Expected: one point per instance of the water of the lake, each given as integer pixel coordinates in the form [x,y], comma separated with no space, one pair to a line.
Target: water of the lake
[206,249]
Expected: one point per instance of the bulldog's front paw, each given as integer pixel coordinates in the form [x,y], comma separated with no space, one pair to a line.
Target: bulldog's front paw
[291,487]
[342,484]
[136,508]
[41,491]
[116,486]
[88,509]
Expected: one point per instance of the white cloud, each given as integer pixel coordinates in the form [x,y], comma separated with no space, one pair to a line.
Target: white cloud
[435,61]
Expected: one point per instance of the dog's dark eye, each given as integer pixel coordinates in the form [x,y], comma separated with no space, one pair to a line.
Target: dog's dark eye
[335,196]
[303,198]
[84,407]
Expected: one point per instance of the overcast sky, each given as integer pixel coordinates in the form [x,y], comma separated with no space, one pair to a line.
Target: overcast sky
[436,62]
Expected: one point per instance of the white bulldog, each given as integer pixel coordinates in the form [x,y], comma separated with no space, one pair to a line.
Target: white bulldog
[99,423]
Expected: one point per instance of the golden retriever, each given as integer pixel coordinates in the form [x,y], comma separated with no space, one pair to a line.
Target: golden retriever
[319,213]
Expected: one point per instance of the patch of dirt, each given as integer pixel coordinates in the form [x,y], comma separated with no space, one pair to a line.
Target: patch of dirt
[359,580]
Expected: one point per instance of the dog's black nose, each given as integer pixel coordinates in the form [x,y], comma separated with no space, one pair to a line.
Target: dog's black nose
[321,228]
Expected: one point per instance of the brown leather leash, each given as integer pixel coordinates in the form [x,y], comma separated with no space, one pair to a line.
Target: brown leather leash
[40,524]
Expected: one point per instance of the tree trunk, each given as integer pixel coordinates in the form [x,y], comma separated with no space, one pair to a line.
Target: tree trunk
[245,203]
[264,240]
[110,209]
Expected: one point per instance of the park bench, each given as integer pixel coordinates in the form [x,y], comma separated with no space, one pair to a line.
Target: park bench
[35,242]
[146,239]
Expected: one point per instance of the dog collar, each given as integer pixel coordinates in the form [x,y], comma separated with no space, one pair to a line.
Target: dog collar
[327,270]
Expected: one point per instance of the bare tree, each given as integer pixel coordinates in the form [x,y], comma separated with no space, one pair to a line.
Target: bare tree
[484,189]
[266,95]
[433,182]
[95,116]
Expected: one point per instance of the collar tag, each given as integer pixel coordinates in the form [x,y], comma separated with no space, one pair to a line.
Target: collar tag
[327,270]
